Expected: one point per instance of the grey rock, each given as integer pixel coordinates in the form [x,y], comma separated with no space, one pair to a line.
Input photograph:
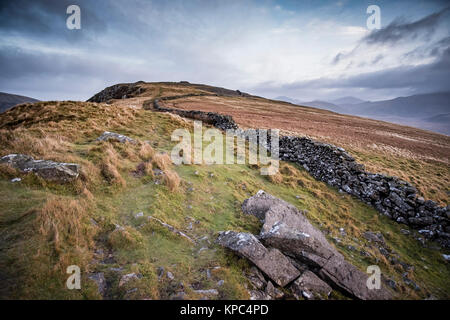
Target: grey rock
[115,136]
[310,286]
[127,277]
[270,261]
[100,281]
[256,278]
[259,295]
[374,237]
[286,229]
[208,292]
[273,292]
[49,170]
[170,275]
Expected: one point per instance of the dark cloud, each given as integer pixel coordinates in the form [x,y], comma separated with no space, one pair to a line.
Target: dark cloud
[47,19]
[399,29]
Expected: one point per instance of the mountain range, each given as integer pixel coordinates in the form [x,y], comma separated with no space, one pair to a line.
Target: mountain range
[426,111]
[8,100]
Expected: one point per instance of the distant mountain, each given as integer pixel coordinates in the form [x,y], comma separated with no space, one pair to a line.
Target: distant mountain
[347,100]
[287,99]
[429,111]
[416,106]
[324,105]
[316,104]
[8,100]
[440,118]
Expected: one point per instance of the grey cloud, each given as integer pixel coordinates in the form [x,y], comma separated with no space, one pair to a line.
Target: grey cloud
[426,78]
[399,29]
[47,19]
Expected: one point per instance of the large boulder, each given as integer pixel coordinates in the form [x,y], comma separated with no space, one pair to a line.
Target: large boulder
[270,261]
[49,170]
[288,230]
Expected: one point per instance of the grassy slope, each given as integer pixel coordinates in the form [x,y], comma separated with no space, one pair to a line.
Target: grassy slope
[46,227]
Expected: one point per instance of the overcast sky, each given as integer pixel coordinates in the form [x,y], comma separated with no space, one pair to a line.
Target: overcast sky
[307,50]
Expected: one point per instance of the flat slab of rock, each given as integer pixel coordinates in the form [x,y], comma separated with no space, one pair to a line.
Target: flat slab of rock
[288,230]
[348,278]
[115,136]
[270,261]
[310,286]
[46,169]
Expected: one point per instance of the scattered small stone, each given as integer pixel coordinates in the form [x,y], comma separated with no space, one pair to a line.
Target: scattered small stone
[220,283]
[391,283]
[446,257]
[170,275]
[16,180]
[139,215]
[160,272]
[99,279]
[115,136]
[405,231]
[178,296]
[374,237]
[116,269]
[127,277]
[212,292]
[202,249]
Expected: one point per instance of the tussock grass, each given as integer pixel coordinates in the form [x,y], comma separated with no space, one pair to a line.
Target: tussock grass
[64,226]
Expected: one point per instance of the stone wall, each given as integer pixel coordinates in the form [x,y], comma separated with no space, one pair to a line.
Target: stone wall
[395,198]
[217,120]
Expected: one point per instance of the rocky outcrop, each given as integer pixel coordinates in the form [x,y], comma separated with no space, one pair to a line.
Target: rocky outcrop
[299,246]
[270,261]
[49,170]
[288,230]
[118,91]
[106,136]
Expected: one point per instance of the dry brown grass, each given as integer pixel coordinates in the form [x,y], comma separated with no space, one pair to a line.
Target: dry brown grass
[171,180]
[64,225]
[146,152]
[162,161]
